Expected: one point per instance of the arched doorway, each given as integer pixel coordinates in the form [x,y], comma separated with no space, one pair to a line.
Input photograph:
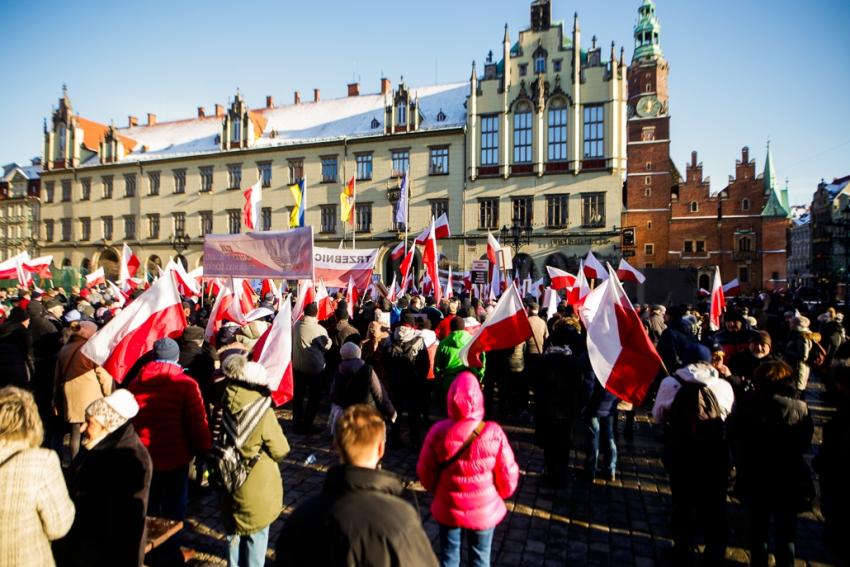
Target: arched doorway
[524,267]
[705,282]
[393,267]
[110,261]
[562,262]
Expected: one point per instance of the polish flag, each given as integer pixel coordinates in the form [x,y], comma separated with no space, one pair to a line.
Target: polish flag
[156,314]
[560,278]
[96,278]
[306,296]
[197,276]
[580,289]
[324,301]
[467,282]
[218,313]
[397,252]
[129,264]
[40,266]
[620,351]
[274,352]
[351,297]
[535,289]
[185,283]
[430,259]
[10,269]
[492,249]
[593,268]
[626,273]
[22,273]
[213,287]
[269,287]
[703,292]
[507,326]
[440,228]
[405,267]
[718,301]
[427,285]
[243,300]
[253,201]
[450,292]
[550,302]
[732,288]
[392,296]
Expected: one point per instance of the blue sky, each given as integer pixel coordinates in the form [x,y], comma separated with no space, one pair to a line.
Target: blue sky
[741,71]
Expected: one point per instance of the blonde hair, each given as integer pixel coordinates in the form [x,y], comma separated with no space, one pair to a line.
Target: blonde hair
[358,428]
[19,419]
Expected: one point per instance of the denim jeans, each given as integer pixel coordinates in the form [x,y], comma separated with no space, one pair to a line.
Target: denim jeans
[248,550]
[478,546]
[601,427]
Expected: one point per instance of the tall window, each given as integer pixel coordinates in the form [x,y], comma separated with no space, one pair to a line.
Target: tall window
[179,180]
[401,162]
[439,163]
[488,213]
[234,221]
[328,215]
[557,211]
[490,139]
[745,204]
[107,228]
[60,143]
[363,217]
[296,170]
[48,230]
[364,166]
[540,64]
[179,221]
[153,225]
[49,188]
[85,186]
[523,210]
[129,184]
[266,220]
[129,227]
[236,130]
[66,229]
[206,178]
[107,186]
[593,210]
[329,169]
[206,218]
[557,133]
[66,190]
[153,183]
[85,229]
[401,113]
[745,244]
[522,133]
[439,207]
[594,131]
[234,176]
[264,169]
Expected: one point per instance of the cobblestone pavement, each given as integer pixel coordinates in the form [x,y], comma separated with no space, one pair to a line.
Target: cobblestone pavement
[600,523]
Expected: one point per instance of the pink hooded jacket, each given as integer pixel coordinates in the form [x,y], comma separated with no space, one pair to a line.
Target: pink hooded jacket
[469,493]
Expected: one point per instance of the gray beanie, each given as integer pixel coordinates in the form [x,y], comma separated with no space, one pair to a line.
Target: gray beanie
[166,349]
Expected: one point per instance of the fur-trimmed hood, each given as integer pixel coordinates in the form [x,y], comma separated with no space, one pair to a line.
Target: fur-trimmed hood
[237,367]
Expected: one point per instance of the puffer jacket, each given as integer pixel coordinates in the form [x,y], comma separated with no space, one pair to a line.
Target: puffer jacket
[447,362]
[470,492]
[172,421]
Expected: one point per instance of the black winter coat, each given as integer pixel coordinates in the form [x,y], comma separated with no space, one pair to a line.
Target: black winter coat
[673,342]
[359,519]
[109,485]
[15,355]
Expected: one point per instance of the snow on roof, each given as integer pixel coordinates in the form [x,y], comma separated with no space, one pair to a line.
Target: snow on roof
[28,171]
[309,122]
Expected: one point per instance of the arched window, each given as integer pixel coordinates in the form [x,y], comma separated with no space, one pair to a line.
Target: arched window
[694,207]
[522,133]
[557,130]
[745,204]
[60,142]
[540,64]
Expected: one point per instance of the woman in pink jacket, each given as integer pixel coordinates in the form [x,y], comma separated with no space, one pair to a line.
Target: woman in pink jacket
[469,466]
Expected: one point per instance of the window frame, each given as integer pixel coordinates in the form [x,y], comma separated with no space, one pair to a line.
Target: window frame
[649,249]
[362,210]
[593,130]
[558,206]
[295,167]
[67,229]
[438,207]
[438,156]
[85,229]
[154,226]
[67,191]
[85,188]
[266,218]
[178,176]
[154,181]
[203,217]
[523,133]
[557,132]
[108,185]
[330,165]
[363,161]
[399,157]
[264,171]
[207,176]
[129,185]
[178,222]
[107,226]
[522,210]
[488,210]
[328,218]
[49,228]
[130,222]
[234,176]
[234,221]
[489,154]
[587,201]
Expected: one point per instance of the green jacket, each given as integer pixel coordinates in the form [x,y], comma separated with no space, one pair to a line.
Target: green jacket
[447,362]
[258,502]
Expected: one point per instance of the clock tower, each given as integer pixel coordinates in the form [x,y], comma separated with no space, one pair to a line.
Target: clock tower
[651,174]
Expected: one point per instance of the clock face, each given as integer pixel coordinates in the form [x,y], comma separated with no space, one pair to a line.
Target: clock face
[648,106]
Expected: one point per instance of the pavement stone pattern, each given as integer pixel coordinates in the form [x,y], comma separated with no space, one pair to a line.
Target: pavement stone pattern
[601,523]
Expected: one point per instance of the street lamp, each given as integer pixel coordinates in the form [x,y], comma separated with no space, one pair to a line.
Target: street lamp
[517,235]
[180,241]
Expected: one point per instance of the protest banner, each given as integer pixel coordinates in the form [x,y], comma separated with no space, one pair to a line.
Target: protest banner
[335,266]
[286,254]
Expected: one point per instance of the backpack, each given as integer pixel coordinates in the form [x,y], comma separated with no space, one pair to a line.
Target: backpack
[817,355]
[694,421]
[229,469]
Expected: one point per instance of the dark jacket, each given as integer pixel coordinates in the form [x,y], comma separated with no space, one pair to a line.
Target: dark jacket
[15,355]
[832,464]
[197,363]
[743,368]
[344,329]
[109,485]
[600,402]
[671,346]
[356,383]
[358,519]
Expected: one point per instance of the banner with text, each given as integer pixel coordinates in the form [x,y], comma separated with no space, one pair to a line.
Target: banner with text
[286,254]
[335,266]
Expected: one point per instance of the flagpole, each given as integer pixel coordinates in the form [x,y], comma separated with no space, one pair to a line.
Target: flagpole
[406,209]
[354,214]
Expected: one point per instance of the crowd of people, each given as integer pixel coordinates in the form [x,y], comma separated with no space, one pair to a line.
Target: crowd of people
[84,459]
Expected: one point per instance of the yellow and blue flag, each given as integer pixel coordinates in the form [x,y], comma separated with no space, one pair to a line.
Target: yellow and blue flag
[296,217]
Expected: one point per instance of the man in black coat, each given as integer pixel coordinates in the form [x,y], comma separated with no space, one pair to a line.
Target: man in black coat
[359,519]
[195,359]
[16,350]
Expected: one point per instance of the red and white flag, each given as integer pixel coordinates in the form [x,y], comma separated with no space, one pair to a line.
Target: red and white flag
[621,353]
[253,203]
[550,302]
[186,284]
[450,292]
[306,296]
[440,227]
[96,278]
[579,291]
[324,302]
[627,273]
[493,249]
[218,313]
[406,264]
[22,273]
[351,297]
[398,252]
[10,269]
[155,314]
[593,268]
[537,289]
[40,266]
[731,288]
[243,300]
[274,352]
[129,264]
[560,278]
[507,326]
[430,260]
[718,301]
[117,294]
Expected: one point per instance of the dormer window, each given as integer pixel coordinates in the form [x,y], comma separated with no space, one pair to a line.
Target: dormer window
[401,113]
[441,116]
[60,142]
[694,207]
[236,130]
[375,123]
[540,64]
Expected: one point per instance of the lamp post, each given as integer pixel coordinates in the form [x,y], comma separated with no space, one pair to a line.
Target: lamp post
[180,241]
[517,236]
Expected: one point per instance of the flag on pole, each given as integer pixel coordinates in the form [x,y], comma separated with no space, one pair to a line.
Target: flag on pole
[430,259]
[218,313]
[405,267]
[299,194]
[392,296]
[274,352]
[96,278]
[593,268]
[155,314]
[306,296]
[117,294]
[346,201]
[560,279]
[351,297]
[40,266]
[507,326]
[550,302]
[718,301]
[324,301]
[576,295]
[626,272]
[450,292]
[621,353]
[398,252]
[493,249]
[401,204]
[253,202]
[129,264]
[22,273]
[731,288]
[440,228]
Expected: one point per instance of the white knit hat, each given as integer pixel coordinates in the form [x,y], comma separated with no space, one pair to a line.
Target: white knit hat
[114,410]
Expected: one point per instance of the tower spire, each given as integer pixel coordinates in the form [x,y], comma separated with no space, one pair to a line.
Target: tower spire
[769,173]
[647,32]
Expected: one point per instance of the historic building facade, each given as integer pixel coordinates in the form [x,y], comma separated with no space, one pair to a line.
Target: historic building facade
[19,209]
[533,148]
[829,220]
